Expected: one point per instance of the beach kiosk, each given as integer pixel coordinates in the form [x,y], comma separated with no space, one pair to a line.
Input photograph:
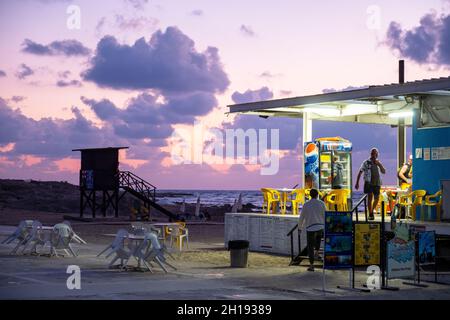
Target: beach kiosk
[423,105]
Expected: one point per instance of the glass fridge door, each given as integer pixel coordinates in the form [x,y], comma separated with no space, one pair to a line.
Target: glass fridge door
[325,170]
[343,158]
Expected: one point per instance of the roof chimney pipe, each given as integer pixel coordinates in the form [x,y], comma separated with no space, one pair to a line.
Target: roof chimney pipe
[401,71]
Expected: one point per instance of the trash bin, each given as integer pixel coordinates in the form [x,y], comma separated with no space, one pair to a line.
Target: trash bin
[238,253]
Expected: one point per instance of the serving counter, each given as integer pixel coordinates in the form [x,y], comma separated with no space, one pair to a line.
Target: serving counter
[266,233]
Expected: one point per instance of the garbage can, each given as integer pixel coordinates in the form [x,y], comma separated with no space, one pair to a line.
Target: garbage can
[238,253]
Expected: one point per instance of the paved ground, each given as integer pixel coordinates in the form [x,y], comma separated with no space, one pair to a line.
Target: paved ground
[33,277]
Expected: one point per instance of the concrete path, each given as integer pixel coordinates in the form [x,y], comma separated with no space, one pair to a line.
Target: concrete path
[41,277]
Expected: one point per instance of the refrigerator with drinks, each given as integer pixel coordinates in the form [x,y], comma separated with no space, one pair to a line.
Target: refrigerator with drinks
[328,164]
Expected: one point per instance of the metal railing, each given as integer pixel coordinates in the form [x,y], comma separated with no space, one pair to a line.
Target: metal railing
[355,209]
[137,184]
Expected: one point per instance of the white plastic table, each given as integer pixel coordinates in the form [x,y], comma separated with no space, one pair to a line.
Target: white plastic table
[284,196]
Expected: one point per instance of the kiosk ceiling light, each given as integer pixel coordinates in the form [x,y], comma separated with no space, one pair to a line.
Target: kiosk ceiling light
[323,111]
[402,114]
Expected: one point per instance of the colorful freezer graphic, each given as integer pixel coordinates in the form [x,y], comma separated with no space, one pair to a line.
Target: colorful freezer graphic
[338,240]
[312,166]
[427,247]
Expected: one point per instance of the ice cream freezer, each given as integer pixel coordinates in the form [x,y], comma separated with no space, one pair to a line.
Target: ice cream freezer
[265,233]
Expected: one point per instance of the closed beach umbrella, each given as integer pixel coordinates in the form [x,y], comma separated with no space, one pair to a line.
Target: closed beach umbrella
[239,202]
[197,207]
[234,207]
[183,206]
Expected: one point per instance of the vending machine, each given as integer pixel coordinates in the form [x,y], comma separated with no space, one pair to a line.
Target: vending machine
[328,164]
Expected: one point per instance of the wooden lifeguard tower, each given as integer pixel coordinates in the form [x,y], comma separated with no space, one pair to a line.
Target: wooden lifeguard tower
[101,181]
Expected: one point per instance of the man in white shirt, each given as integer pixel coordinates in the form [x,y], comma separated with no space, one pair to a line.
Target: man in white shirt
[312,218]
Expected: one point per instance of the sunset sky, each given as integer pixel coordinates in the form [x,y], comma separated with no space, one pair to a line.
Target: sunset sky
[135,71]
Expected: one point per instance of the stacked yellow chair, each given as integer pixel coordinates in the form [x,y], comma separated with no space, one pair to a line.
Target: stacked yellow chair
[297,197]
[337,197]
[308,197]
[271,200]
[412,200]
[437,202]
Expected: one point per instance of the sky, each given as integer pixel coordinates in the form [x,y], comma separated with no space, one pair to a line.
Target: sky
[145,74]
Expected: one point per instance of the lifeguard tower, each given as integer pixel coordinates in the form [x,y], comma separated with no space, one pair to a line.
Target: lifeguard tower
[101,181]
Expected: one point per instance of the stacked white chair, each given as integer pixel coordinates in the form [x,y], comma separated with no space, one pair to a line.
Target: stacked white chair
[76,237]
[117,247]
[155,253]
[36,237]
[60,239]
[21,234]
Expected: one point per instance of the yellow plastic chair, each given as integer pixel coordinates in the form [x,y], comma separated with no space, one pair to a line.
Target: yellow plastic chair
[271,199]
[435,200]
[308,196]
[337,197]
[297,197]
[386,198]
[412,201]
[168,229]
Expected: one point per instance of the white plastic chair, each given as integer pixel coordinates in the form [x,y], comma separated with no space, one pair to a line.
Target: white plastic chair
[154,253]
[117,242]
[181,235]
[36,237]
[118,247]
[142,250]
[21,234]
[60,239]
[76,237]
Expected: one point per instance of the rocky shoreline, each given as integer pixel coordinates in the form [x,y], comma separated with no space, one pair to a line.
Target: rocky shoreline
[63,197]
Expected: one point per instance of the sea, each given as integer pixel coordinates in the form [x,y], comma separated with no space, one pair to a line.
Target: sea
[218,197]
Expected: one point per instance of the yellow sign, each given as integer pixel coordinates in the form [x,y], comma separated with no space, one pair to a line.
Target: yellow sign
[325,158]
[367,244]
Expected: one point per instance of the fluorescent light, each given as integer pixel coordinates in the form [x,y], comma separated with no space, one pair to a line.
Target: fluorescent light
[400,114]
[358,109]
[323,111]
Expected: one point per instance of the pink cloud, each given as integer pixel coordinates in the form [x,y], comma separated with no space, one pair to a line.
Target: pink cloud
[30,160]
[68,164]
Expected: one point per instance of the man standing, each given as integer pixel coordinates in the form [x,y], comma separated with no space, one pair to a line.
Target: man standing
[405,174]
[312,218]
[372,180]
[337,178]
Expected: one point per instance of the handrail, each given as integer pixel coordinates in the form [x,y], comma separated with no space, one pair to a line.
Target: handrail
[128,179]
[355,208]
[129,173]
[359,202]
[292,230]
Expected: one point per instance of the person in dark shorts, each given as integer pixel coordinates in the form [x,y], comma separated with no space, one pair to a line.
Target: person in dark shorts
[372,180]
[405,174]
